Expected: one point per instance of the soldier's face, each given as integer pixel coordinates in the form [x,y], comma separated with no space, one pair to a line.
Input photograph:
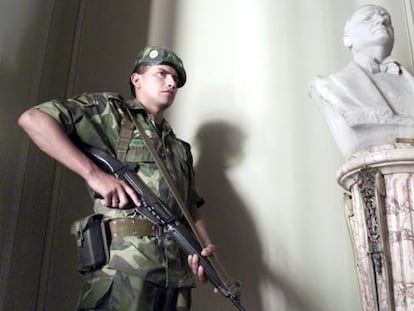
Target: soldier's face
[156,85]
[371,26]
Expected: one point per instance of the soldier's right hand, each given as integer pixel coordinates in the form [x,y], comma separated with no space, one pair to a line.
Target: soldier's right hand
[114,192]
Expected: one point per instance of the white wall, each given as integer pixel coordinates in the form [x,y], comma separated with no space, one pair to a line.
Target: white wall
[249,64]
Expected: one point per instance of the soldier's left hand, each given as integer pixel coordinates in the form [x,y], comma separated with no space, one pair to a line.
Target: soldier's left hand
[193,261]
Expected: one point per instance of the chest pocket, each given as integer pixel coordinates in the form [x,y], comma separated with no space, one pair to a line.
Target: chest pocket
[179,165]
[140,156]
[175,159]
[138,151]
[178,153]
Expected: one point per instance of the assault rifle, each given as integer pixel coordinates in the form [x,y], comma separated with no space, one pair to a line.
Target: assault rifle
[156,211]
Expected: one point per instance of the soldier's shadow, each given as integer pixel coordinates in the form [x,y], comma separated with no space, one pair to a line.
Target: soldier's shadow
[230,223]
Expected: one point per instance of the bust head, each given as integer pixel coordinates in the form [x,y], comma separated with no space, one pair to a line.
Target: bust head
[368,29]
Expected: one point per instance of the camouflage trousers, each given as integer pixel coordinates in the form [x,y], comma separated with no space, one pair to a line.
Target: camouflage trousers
[123,292]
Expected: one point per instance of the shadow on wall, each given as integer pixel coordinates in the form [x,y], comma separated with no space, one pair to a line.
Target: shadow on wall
[230,224]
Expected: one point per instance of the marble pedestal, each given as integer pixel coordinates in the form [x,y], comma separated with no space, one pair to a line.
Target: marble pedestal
[379,207]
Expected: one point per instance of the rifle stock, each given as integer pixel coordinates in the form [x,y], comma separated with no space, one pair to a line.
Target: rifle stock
[155,210]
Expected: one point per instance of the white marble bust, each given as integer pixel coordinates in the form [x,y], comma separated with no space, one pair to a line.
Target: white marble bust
[371,101]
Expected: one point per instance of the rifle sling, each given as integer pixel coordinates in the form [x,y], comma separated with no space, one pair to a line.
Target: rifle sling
[164,172]
[161,166]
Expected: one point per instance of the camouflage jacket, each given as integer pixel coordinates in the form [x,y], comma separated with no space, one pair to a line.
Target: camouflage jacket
[95,119]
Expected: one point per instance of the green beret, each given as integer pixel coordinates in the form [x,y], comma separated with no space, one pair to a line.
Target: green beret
[162,55]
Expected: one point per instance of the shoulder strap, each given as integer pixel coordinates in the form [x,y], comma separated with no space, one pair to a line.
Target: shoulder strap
[213,260]
[164,172]
[125,136]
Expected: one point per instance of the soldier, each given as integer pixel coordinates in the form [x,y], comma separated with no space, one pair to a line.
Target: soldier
[145,271]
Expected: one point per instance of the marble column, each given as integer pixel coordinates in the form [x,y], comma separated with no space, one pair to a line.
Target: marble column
[379,205]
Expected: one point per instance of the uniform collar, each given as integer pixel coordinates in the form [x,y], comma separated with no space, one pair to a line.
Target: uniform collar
[134,104]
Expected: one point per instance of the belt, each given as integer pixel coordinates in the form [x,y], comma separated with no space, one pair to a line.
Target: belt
[121,227]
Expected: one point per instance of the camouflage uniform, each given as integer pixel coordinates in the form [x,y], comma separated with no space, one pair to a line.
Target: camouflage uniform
[95,120]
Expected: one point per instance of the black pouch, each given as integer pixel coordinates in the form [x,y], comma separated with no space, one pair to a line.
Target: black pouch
[92,241]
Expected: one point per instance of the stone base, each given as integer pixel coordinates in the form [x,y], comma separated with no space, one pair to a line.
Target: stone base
[380,213]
